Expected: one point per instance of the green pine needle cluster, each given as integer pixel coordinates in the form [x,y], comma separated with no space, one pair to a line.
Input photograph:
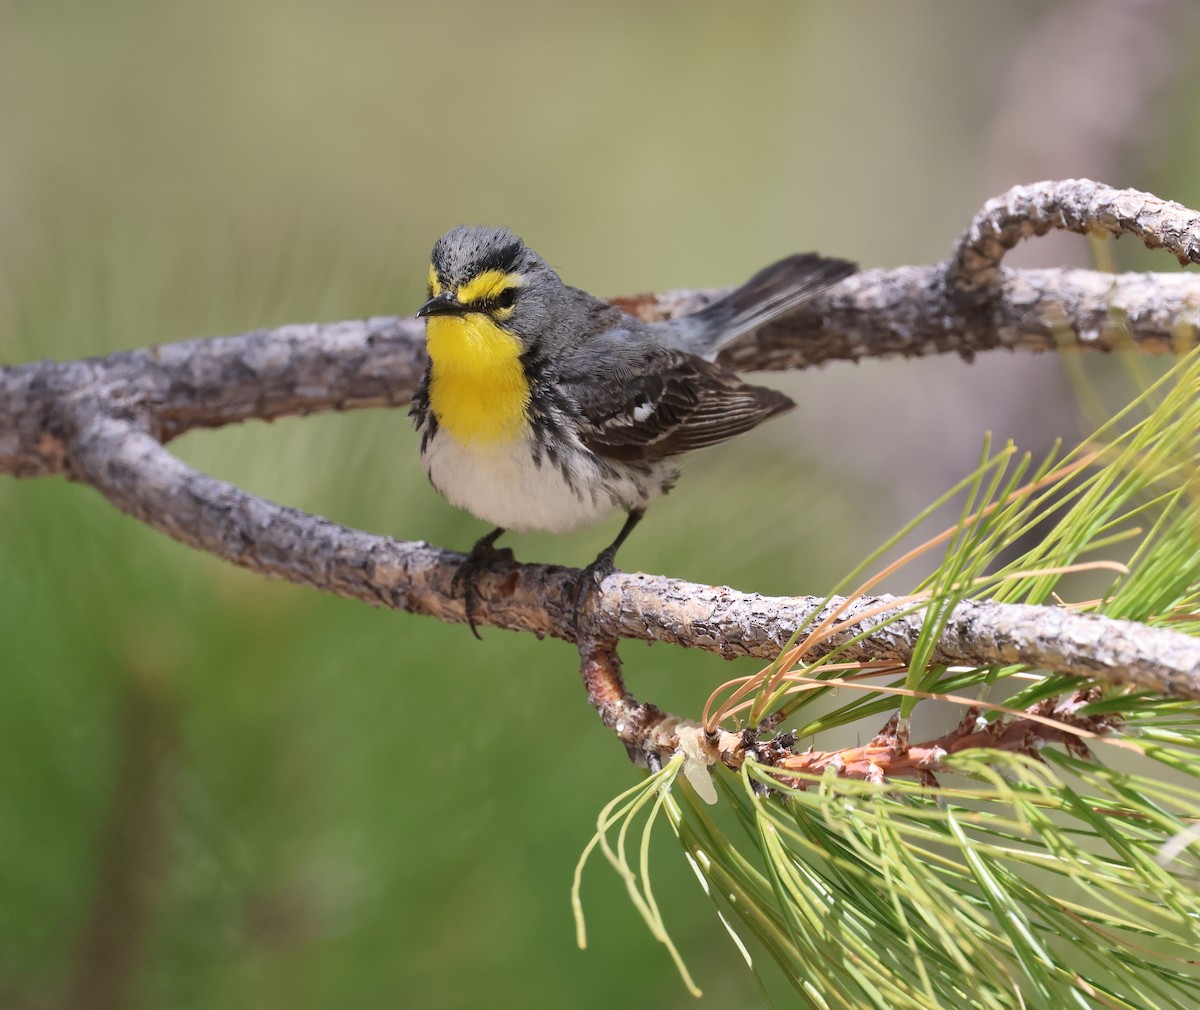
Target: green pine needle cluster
[1055,878]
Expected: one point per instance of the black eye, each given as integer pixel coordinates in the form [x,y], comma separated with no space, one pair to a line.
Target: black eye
[506,299]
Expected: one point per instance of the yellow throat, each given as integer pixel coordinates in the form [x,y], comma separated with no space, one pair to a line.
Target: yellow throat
[477,385]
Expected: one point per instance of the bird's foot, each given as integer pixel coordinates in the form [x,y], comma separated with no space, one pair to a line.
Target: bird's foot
[484,553]
[587,586]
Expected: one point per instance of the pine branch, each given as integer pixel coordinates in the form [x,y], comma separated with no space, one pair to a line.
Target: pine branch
[136,474]
[906,312]
[102,422]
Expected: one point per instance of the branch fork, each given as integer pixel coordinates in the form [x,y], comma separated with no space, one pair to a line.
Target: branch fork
[104,422]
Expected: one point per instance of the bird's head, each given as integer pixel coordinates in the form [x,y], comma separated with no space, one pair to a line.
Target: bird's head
[488,275]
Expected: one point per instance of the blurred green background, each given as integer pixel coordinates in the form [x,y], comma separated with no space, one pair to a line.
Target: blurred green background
[217,791]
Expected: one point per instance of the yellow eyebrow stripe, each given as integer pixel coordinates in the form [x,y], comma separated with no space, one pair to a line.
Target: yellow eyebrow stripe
[435,286]
[487,285]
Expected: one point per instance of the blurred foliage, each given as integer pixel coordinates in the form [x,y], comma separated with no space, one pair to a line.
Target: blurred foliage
[363,808]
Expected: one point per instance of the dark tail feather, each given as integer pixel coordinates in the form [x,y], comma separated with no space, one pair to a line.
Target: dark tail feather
[769,294]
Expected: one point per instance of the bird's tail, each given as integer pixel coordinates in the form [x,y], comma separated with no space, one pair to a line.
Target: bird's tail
[769,294]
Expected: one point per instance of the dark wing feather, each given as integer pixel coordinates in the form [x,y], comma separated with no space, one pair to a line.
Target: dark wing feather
[777,291]
[638,400]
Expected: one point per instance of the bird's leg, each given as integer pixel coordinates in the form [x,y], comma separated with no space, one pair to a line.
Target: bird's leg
[482,554]
[590,579]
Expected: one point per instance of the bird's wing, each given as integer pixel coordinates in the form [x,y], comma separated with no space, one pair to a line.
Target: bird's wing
[638,400]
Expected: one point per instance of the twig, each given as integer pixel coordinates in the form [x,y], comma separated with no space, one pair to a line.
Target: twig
[1078,205]
[889,756]
[648,733]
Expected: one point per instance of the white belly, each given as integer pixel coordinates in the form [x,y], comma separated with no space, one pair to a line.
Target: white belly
[502,485]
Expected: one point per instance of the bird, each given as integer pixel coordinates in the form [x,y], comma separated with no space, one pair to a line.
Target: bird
[545,408]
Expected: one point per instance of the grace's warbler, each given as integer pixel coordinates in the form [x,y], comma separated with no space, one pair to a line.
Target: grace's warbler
[545,408]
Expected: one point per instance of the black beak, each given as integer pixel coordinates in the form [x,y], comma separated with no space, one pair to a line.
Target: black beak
[444,304]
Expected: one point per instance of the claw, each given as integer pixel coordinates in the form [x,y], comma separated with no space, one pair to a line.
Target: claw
[482,554]
[587,586]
